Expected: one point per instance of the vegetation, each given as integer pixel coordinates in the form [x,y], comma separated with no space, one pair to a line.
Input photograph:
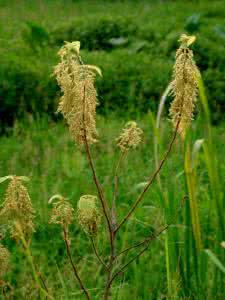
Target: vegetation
[92,239]
[131,32]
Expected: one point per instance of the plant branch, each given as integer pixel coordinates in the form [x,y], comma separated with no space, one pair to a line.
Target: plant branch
[36,274]
[95,178]
[146,241]
[96,253]
[67,243]
[140,197]
[116,183]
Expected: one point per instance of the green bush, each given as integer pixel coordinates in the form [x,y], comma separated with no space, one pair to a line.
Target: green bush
[95,34]
[25,87]
[134,76]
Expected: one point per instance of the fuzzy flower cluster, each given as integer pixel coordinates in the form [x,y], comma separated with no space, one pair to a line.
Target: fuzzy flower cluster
[17,209]
[79,99]
[130,136]
[4,260]
[184,85]
[88,214]
[62,212]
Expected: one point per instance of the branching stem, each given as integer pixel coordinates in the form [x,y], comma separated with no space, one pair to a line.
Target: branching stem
[77,276]
[96,253]
[152,178]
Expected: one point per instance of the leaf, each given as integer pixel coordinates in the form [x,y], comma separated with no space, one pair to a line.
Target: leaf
[196,148]
[140,185]
[94,68]
[57,196]
[215,260]
[24,178]
[2,179]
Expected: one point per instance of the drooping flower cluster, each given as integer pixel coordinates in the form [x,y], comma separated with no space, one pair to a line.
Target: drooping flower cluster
[79,99]
[62,212]
[88,214]
[184,85]
[17,209]
[4,261]
[130,136]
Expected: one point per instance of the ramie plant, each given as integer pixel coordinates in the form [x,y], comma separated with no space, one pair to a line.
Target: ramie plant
[78,106]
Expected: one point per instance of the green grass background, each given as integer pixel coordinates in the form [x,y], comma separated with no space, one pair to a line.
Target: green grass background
[175,266]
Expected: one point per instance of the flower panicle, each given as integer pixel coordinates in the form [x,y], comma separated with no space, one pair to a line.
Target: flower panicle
[17,207]
[184,86]
[88,214]
[4,261]
[62,211]
[79,100]
[130,137]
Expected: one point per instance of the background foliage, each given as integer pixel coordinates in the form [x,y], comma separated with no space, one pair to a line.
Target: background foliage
[133,42]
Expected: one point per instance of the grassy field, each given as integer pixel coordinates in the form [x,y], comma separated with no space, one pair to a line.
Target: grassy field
[187,261]
[46,154]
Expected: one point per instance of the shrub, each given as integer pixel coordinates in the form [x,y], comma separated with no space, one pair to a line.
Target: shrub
[95,34]
[25,87]
[131,74]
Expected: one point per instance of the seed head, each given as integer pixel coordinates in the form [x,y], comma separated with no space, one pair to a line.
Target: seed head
[184,85]
[79,99]
[62,212]
[4,260]
[130,136]
[17,208]
[88,214]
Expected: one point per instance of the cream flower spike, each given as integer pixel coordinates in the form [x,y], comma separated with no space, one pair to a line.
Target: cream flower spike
[184,86]
[79,100]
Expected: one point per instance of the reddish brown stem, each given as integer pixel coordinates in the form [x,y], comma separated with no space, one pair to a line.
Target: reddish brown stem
[97,255]
[95,178]
[146,241]
[73,265]
[140,197]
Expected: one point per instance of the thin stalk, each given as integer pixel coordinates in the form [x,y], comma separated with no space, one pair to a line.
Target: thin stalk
[116,183]
[154,236]
[110,269]
[190,175]
[168,277]
[140,197]
[36,275]
[4,294]
[94,174]
[96,253]
[102,200]
[143,242]
[75,272]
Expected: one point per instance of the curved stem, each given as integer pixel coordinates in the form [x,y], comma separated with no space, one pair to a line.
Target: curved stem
[140,197]
[66,240]
[146,241]
[96,253]
[94,174]
[116,183]
[30,258]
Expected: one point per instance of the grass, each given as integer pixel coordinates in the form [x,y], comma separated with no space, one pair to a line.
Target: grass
[46,154]
[187,262]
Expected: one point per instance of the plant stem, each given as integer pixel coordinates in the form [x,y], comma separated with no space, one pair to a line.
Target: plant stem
[116,183]
[140,197]
[147,241]
[96,253]
[95,178]
[36,274]
[110,269]
[66,240]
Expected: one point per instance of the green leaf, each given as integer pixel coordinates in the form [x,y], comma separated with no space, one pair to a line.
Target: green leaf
[215,260]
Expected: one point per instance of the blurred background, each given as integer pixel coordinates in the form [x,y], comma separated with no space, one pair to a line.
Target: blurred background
[134,43]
